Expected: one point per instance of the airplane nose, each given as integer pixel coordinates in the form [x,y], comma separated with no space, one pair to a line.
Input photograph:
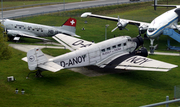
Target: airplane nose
[139,41]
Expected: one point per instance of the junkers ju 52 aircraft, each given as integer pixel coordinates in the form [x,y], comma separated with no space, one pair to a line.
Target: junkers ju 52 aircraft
[154,29]
[116,53]
[19,29]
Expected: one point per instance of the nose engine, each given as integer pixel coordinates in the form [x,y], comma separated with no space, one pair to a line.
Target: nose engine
[139,41]
[142,51]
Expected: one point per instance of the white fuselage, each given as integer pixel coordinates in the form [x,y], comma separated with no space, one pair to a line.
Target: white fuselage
[166,20]
[15,28]
[96,53]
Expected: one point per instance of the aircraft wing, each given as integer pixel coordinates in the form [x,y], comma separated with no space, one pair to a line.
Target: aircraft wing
[135,62]
[161,5]
[138,23]
[71,43]
[25,34]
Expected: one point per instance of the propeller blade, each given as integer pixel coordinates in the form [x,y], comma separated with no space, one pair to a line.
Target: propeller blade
[126,29]
[118,19]
[114,29]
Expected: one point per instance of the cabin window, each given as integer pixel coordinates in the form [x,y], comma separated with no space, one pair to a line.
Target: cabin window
[33,29]
[15,26]
[109,48]
[19,27]
[103,50]
[114,46]
[37,30]
[41,30]
[124,44]
[119,45]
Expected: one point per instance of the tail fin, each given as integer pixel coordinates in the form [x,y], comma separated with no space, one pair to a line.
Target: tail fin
[35,56]
[70,25]
[37,59]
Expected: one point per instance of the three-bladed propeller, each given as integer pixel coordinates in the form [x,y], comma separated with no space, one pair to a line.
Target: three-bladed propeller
[121,24]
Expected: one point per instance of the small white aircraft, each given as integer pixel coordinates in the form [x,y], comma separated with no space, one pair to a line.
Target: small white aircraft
[117,53]
[19,29]
[154,29]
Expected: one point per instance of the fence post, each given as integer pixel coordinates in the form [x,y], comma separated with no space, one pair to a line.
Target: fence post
[174,92]
[167,99]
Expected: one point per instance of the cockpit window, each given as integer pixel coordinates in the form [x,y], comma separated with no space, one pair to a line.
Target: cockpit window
[152,29]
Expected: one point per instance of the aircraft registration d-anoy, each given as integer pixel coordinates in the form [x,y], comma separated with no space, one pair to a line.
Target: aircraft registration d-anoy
[116,53]
[154,29]
[36,31]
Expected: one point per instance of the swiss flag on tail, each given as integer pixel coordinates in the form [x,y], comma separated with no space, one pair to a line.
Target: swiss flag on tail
[70,22]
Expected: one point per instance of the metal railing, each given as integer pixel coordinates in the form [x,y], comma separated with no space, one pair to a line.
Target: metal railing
[32,5]
[167,102]
[83,7]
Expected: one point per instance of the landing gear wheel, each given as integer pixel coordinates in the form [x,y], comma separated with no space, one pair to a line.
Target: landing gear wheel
[38,74]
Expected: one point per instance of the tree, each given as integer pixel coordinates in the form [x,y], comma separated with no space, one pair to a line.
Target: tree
[5,50]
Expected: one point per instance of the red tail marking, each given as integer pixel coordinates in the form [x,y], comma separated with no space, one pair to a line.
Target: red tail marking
[70,22]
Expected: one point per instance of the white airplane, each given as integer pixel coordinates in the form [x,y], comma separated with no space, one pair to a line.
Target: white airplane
[154,29]
[116,53]
[23,29]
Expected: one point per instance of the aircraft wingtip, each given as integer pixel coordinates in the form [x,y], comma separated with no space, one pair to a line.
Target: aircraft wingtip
[86,14]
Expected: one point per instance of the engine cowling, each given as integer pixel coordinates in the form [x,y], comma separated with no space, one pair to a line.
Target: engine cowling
[142,52]
[139,41]
[122,24]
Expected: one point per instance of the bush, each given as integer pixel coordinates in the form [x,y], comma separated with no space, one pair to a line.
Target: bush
[5,50]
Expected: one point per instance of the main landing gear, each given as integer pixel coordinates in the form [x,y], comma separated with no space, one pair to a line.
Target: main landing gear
[38,73]
[152,48]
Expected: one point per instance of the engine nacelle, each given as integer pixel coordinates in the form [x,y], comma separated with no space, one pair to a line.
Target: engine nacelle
[12,32]
[139,41]
[122,24]
[143,28]
[142,52]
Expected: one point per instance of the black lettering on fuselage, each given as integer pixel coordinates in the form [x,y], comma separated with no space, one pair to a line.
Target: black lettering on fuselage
[73,61]
[62,63]
[137,60]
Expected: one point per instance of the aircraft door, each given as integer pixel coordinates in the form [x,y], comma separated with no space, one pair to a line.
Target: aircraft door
[94,56]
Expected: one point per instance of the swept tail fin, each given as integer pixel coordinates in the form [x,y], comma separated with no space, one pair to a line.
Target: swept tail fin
[70,26]
[37,59]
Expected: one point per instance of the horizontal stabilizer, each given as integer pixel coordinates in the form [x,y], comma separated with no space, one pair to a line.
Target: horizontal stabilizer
[50,66]
[25,59]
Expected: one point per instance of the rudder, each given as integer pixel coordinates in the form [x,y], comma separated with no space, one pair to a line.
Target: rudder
[35,57]
[70,25]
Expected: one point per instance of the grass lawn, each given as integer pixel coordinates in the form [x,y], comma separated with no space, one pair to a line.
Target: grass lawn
[67,88]
[71,89]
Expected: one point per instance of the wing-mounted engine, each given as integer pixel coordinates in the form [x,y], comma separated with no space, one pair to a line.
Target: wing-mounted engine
[142,52]
[142,28]
[121,24]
